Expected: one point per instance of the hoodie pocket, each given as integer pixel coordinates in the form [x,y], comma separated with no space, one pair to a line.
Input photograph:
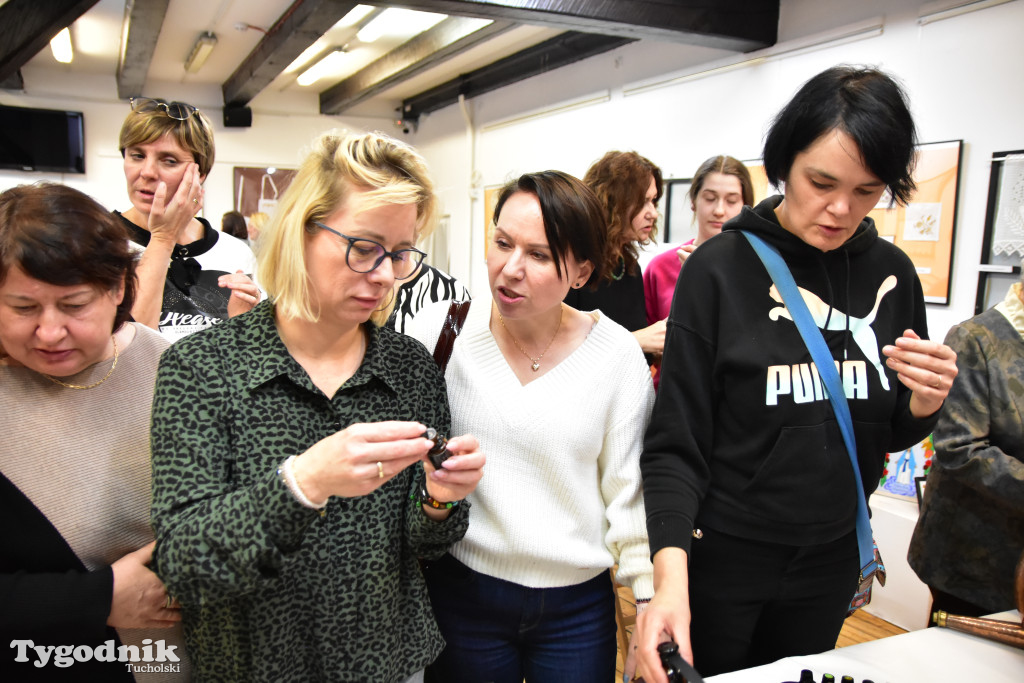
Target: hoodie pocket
[806,479]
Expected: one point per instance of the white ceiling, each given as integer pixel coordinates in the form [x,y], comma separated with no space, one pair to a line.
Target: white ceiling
[681,33]
[96,37]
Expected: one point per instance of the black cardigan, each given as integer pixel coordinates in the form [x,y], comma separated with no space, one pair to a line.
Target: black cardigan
[47,596]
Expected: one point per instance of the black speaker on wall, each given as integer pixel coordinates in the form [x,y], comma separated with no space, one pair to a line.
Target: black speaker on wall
[237,117]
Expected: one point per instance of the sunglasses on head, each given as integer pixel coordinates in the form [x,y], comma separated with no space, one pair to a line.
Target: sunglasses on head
[179,111]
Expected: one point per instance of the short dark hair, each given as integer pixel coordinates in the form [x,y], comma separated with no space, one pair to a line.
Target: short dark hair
[620,180]
[866,104]
[63,237]
[233,223]
[572,213]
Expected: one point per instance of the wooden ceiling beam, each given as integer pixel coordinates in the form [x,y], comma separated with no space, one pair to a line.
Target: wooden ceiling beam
[553,53]
[27,26]
[299,27]
[430,48]
[739,25]
[143,20]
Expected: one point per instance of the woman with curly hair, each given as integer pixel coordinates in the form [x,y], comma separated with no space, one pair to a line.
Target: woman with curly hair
[629,187]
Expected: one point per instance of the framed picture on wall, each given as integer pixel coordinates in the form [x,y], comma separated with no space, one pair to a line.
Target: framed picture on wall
[1003,243]
[679,224]
[925,229]
[904,468]
[759,180]
[257,190]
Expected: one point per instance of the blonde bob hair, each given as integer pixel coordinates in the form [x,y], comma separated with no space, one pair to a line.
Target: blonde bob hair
[194,134]
[388,171]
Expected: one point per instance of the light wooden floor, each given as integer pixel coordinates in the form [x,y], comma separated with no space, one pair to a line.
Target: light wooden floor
[860,628]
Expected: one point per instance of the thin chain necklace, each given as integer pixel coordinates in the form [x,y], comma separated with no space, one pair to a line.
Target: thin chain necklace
[94,384]
[536,361]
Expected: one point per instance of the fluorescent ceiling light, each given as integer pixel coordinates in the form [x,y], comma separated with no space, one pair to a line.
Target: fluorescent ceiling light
[330,63]
[60,45]
[404,23]
[200,52]
[354,16]
[312,51]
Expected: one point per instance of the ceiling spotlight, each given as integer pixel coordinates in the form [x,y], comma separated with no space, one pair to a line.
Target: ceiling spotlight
[60,45]
[200,52]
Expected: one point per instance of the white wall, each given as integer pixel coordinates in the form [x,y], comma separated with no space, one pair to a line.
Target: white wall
[963,74]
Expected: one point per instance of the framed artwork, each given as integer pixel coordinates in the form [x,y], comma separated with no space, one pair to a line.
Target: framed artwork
[759,180]
[1003,244]
[902,469]
[925,229]
[679,224]
[259,189]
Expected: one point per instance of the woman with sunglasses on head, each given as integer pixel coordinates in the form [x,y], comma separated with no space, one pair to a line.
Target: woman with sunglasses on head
[76,386]
[191,276]
[752,500]
[290,502]
[559,400]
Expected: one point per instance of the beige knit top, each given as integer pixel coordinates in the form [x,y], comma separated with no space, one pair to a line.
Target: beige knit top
[82,457]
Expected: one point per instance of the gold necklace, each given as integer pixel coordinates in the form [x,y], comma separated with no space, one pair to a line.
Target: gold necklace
[94,384]
[536,361]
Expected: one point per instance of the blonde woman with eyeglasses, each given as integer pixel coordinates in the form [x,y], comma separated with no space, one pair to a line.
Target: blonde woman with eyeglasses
[292,497]
[191,276]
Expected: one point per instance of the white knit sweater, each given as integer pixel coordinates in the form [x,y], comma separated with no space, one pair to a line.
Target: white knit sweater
[560,499]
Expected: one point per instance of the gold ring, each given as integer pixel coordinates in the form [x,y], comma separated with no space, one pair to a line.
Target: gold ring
[195,201]
[170,601]
[380,470]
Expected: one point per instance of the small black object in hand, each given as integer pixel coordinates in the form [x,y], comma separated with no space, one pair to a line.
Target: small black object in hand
[672,662]
[439,452]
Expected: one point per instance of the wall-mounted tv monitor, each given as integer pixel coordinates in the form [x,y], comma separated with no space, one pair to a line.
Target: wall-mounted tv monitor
[42,140]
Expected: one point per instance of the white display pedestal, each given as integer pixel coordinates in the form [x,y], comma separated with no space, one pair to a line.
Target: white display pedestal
[904,600]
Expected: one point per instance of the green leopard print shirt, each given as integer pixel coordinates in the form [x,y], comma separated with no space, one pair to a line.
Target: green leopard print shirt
[271,590]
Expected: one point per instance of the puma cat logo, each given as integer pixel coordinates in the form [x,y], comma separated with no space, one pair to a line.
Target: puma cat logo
[860,328]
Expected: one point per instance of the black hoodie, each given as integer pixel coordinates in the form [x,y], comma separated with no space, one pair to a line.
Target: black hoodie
[743,439]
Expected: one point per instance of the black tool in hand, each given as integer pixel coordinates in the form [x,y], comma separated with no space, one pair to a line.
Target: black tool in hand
[439,452]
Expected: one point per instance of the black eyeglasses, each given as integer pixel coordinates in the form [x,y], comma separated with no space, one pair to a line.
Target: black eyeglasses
[365,255]
[179,111]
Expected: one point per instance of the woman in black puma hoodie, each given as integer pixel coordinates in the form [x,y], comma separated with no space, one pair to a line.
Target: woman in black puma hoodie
[743,443]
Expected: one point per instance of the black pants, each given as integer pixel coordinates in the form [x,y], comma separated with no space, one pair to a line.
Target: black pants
[753,602]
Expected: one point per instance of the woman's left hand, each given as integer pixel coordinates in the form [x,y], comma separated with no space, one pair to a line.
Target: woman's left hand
[927,368]
[460,473]
[244,292]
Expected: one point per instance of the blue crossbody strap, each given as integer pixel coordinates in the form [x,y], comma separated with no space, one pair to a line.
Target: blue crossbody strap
[826,366]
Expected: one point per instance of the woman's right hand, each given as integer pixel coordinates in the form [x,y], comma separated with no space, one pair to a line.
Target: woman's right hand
[683,252]
[140,599]
[652,338]
[667,616]
[168,218]
[359,459]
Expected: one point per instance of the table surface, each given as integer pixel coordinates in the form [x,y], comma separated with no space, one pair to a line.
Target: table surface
[933,654]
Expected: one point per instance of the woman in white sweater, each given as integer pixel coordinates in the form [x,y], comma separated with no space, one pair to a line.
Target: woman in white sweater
[559,400]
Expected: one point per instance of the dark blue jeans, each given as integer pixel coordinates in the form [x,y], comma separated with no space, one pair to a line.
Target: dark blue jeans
[500,632]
